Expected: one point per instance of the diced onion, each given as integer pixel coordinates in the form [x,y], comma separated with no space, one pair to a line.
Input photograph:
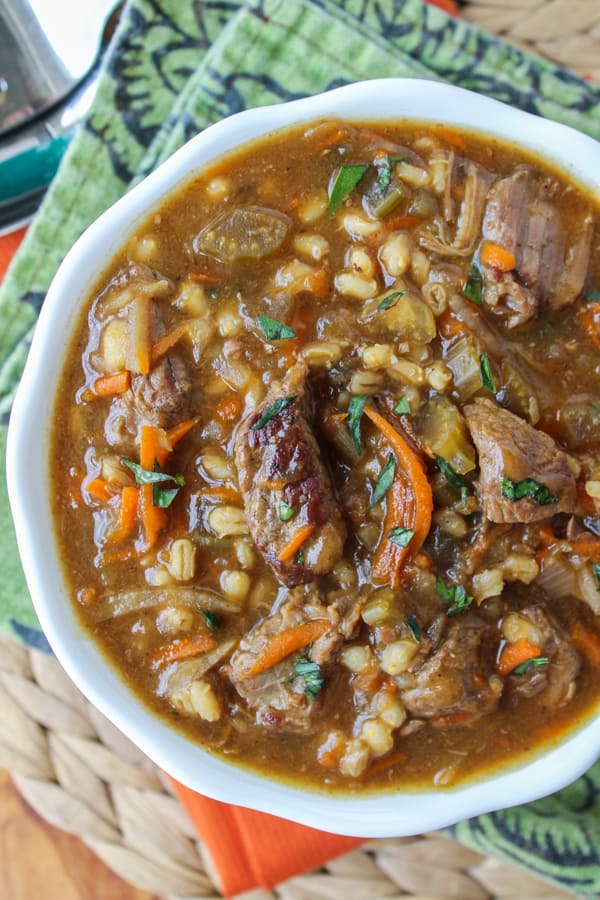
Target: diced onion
[132,601]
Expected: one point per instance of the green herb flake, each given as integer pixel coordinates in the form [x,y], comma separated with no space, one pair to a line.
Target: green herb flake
[452,477]
[456,597]
[274,330]
[311,672]
[286,512]
[402,407]
[592,297]
[487,379]
[385,480]
[391,300]
[161,496]
[344,182]
[596,571]
[414,627]
[401,536]
[299,560]
[355,413]
[211,619]
[528,487]
[536,662]
[273,411]
[473,289]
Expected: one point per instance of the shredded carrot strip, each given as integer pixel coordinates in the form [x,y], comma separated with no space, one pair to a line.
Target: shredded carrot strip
[175,434]
[228,409]
[448,325]
[182,648]
[99,489]
[154,447]
[587,642]
[399,222]
[285,642]
[164,344]
[293,204]
[221,493]
[154,518]
[295,542]
[121,555]
[409,505]
[205,277]
[319,283]
[127,514]
[108,385]
[590,319]
[497,257]
[514,654]
[380,765]
[451,137]
[584,547]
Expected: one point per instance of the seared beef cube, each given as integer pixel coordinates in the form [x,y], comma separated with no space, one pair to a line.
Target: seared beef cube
[510,452]
[458,679]
[556,679]
[521,217]
[286,487]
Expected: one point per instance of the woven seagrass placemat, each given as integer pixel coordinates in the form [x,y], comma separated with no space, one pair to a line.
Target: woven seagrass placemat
[83,776]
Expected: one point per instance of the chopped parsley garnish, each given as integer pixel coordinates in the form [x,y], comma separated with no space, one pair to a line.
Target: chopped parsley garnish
[311,672]
[161,496]
[385,171]
[401,536]
[355,412]
[211,620]
[452,477]
[273,410]
[596,571]
[286,512]
[402,407]
[474,286]
[528,487]
[384,482]
[592,297]
[391,300]
[455,596]
[299,560]
[487,379]
[414,627]
[344,182]
[274,330]
[536,662]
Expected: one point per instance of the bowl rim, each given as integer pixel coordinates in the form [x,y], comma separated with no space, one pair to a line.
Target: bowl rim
[379,814]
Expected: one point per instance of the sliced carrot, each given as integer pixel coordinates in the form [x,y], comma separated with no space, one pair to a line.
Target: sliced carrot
[319,283]
[177,432]
[181,648]
[165,343]
[587,642]
[127,514]
[205,277]
[590,319]
[295,542]
[154,447]
[451,137]
[586,547]
[99,489]
[496,257]
[409,505]
[386,762]
[399,222]
[108,385]
[154,518]
[448,325]
[286,642]
[221,493]
[514,654]
[228,409]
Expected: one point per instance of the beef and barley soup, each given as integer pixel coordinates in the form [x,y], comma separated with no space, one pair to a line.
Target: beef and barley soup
[325,460]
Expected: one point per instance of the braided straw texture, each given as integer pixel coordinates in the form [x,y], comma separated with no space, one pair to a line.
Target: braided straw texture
[80,774]
[565,31]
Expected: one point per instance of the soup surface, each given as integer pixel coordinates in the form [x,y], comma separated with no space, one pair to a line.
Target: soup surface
[325,460]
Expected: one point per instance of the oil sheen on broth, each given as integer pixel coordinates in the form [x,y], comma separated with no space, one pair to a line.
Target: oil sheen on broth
[325,456]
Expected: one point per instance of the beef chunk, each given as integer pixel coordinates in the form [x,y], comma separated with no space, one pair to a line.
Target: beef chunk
[159,397]
[279,695]
[280,462]
[550,268]
[556,679]
[510,448]
[458,679]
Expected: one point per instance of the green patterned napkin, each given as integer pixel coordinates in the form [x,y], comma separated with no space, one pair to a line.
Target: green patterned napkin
[175,67]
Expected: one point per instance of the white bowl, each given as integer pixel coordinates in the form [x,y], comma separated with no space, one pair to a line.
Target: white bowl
[387,814]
